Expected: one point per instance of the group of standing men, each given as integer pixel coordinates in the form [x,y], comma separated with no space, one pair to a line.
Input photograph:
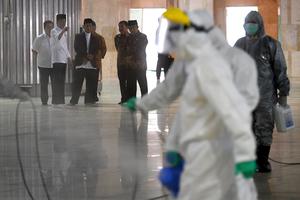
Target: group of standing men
[131,61]
[53,56]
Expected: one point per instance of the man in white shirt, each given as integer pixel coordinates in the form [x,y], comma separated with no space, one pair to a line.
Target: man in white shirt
[87,47]
[60,58]
[41,48]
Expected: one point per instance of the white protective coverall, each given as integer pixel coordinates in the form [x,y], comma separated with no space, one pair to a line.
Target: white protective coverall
[245,79]
[211,113]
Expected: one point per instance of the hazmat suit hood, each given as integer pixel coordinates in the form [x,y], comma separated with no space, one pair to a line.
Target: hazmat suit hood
[201,18]
[196,35]
[255,17]
[218,39]
[190,44]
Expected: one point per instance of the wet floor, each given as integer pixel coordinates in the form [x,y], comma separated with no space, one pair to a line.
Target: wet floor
[105,152]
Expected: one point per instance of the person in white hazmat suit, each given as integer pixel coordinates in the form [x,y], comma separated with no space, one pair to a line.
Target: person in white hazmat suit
[242,65]
[245,78]
[210,105]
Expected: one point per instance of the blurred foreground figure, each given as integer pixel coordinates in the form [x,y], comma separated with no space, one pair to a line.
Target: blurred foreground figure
[10,90]
[213,138]
[273,83]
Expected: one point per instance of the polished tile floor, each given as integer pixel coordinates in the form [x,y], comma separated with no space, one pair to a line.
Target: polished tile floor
[104,152]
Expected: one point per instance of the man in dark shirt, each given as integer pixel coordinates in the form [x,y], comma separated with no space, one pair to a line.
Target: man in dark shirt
[122,47]
[87,48]
[137,44]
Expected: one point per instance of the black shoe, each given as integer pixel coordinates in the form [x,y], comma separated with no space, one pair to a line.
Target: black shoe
[263,164]
[45,104]
[264,168]
[122,101]
[90,103]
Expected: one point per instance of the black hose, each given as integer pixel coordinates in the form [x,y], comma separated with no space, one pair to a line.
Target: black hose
[283,163]
[134,128]
[159,197]
[36,148]
[19,154]
[38,151]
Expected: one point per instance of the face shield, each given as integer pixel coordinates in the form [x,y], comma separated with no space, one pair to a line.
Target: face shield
[164,42]
[171,24]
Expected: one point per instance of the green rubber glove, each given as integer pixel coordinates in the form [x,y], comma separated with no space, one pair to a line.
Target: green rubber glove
[173,158]
[130,104]
[246,168]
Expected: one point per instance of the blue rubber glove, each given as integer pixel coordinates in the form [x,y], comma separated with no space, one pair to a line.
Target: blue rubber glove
[130,104]
[170,176]
[246,168]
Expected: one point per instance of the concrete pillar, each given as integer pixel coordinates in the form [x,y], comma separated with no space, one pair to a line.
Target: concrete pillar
[290,34]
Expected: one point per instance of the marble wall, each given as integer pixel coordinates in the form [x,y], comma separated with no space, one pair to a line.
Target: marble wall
[148,4]
[107,15]
[268,9]
[197,4]
[290,34]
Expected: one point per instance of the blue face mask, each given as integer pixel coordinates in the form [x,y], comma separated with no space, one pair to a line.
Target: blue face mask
[251,28]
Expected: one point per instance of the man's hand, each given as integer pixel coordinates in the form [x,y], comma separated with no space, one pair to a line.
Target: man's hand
[65,29]
[90,57]
[282,101]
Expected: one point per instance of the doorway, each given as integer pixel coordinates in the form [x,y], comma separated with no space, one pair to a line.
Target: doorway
[235,17]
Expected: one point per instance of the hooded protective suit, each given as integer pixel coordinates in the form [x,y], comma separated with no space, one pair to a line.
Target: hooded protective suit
[272,76]
[211,113]
[272,81]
